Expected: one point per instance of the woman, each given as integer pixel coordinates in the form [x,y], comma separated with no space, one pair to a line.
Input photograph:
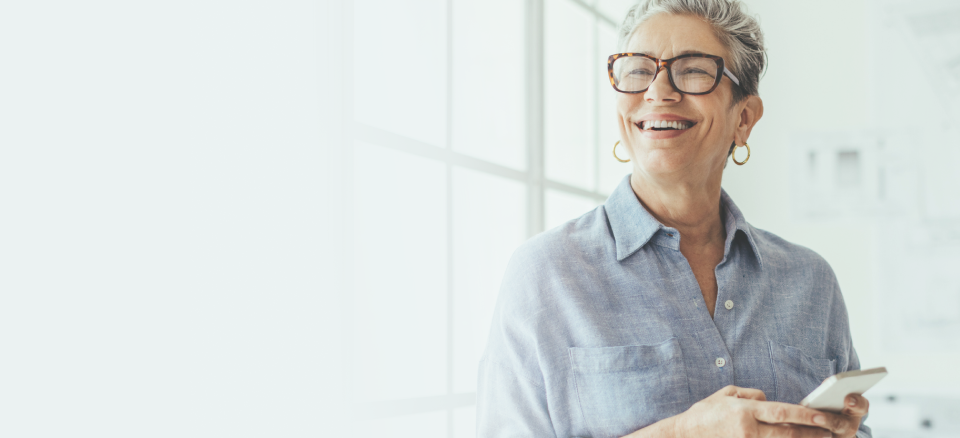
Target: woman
[609,325]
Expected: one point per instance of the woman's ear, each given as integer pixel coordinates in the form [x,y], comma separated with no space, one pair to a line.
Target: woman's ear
[751,110]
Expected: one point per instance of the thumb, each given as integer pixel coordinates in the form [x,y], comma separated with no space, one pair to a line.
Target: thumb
[738,392]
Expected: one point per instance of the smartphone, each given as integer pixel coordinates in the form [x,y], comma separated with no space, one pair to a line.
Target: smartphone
[830,394]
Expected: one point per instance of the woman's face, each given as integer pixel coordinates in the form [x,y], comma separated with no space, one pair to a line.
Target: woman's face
[699,150]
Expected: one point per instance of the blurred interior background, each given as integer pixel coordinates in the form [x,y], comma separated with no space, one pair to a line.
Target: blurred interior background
[178,257]
[470,126]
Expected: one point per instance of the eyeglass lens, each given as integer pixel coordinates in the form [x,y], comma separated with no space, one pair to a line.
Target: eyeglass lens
[690,75]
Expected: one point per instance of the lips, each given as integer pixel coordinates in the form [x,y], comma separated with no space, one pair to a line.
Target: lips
[660,125]
[663,122]
[663,126]
[657,125]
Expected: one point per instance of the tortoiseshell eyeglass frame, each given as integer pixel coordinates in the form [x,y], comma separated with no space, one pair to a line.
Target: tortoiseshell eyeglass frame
[667,63]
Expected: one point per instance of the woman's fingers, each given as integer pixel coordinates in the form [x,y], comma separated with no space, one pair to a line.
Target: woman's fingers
[748,393]
[792,431]
[776,412]
[841,424]
[775,419]
[858,408]
[826,422]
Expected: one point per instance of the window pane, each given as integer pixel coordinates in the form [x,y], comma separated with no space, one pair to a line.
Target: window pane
[611,170]
[489,222]
[465,422]
[562,206]
[400,274]
[400,66]
[488,81]
[428,425]
[569,110]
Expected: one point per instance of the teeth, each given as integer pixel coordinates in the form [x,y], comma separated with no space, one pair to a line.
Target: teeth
[661,124]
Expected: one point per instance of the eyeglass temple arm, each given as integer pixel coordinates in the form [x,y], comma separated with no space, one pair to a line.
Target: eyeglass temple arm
[731,76]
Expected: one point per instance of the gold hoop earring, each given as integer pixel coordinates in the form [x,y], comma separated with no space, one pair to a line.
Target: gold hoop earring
[734,155]
[615,153]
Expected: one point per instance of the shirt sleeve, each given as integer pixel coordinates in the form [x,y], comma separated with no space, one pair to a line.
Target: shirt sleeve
[509,405]
[511,395]
[839,325]
[864,430]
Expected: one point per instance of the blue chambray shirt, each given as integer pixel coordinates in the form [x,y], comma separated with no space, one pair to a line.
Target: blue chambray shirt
[600,327]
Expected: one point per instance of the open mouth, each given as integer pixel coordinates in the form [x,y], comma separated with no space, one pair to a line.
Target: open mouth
[665,125]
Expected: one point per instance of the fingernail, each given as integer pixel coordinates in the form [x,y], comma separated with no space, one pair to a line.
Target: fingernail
[819,419]
[852,402]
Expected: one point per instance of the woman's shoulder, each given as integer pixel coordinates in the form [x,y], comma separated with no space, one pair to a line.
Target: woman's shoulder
[780,253]
[574,238]
[544,259]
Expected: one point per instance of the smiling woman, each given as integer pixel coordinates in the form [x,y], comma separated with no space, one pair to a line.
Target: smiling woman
[708,111]
[608,325]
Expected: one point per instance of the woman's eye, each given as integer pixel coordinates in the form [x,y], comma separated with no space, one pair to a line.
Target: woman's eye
[640,72]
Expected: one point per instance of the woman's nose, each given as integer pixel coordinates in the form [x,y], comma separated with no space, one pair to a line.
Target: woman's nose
[661,90]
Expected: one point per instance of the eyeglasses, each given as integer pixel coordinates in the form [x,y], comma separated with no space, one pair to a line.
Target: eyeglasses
[693,73]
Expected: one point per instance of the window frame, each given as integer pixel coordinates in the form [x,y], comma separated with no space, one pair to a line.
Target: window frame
[533,177]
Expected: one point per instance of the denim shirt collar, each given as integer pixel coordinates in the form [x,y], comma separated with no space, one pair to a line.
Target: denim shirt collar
[633,226]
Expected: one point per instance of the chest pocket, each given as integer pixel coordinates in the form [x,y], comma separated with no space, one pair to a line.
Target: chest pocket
[622,389]
[797,374]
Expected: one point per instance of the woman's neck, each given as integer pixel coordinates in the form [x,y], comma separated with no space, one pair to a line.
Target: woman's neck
[692,207]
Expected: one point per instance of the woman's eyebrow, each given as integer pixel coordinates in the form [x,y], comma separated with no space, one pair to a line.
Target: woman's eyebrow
[691,52]
[685,52]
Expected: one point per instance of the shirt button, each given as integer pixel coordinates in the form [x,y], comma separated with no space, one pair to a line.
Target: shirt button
[721,362]
[728,304]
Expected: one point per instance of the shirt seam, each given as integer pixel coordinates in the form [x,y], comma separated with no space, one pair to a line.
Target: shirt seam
[773,367]
[577,387]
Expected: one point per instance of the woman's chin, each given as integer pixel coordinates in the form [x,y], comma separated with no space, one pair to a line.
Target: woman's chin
[668,166]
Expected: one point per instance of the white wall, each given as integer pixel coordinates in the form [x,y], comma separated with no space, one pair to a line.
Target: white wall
[817,81]
[161,219]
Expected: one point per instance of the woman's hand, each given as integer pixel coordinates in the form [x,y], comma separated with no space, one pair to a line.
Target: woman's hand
[744,412]
[855,408]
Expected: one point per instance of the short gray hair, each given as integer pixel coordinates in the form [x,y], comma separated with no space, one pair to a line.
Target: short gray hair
[738,31]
